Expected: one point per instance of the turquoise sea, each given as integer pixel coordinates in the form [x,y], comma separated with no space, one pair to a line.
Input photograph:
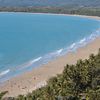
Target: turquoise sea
[28,40]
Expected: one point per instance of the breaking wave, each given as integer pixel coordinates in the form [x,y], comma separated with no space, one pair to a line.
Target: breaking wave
[73,47]
[4,72]
[35,60]
[50,56]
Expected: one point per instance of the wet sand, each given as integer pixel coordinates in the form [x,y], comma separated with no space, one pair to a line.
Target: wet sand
[36,78]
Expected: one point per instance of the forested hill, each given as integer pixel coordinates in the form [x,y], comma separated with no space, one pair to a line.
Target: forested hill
[79,3]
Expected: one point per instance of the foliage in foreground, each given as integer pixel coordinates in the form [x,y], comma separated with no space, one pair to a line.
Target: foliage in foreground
[2,94]
[77,82]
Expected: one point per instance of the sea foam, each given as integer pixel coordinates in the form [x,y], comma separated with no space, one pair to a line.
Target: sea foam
[50,56]
[32,50]
[4,72]
[35,60]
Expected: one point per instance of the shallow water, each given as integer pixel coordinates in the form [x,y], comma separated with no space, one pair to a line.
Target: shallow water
[28,40]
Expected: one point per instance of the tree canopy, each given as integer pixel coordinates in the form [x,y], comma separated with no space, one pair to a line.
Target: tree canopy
[77,82]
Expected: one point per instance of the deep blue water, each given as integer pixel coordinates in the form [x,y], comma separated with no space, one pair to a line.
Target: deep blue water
[28,40]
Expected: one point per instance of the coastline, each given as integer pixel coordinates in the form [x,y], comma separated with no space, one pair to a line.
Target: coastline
[38,76]
[77,15]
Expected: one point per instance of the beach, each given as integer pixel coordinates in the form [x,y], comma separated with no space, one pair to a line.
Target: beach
[36,78]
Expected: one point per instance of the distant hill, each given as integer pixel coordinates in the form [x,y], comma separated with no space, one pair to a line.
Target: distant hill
[80,3]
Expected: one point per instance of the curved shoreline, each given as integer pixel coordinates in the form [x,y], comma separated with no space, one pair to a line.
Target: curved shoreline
[41,60]
[41,74]
[77,15]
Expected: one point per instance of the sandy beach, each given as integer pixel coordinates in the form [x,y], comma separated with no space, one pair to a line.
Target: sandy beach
[36,78]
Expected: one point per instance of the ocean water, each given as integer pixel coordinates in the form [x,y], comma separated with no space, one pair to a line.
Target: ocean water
[28,40]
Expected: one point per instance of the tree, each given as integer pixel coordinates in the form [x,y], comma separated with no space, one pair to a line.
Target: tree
[2,94]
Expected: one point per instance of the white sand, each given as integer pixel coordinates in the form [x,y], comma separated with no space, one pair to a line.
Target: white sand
[38,76]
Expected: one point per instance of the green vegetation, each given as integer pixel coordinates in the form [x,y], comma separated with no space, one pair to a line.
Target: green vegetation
[92,11]
[77,82]
[2,94]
